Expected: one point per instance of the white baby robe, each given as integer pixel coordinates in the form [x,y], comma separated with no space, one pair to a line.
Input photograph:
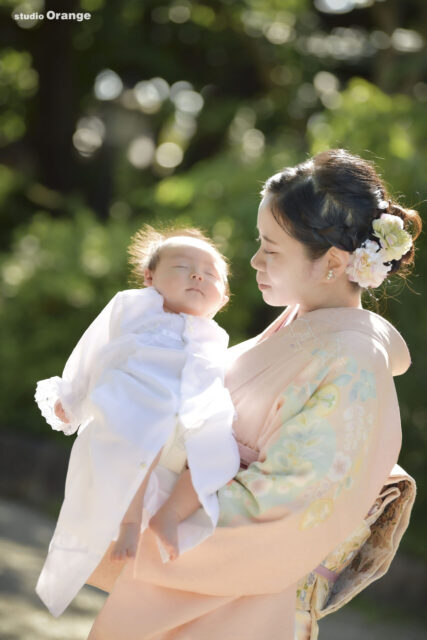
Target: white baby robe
[135,374]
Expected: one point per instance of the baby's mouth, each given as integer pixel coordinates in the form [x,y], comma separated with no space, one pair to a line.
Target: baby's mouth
[195,289]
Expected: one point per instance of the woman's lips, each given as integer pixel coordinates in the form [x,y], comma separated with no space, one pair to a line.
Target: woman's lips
[262,286]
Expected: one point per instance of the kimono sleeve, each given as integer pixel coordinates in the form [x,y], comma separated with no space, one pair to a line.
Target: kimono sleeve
[71,388]
[319,433]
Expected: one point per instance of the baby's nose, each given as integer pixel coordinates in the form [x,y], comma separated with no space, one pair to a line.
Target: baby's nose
[196,276]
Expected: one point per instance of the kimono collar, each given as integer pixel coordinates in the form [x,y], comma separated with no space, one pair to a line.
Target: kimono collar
[374,325]
[288,333]
[343,319]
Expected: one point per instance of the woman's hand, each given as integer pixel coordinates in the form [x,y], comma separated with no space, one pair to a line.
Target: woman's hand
[60,413]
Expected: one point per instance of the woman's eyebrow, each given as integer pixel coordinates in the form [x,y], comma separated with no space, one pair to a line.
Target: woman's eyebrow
[265,237]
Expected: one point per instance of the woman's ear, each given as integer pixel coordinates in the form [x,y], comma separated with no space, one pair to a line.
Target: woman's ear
[148,278]
[337,261]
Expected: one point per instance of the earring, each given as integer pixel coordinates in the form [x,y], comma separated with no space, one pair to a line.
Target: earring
[330,274]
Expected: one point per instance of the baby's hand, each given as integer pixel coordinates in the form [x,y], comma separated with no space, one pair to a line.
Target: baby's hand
[59,412]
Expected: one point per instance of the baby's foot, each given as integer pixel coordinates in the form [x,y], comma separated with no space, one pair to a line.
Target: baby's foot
[164,524]
[126,543]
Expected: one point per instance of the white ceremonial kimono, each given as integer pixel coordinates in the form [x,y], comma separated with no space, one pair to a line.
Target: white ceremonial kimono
[139,379]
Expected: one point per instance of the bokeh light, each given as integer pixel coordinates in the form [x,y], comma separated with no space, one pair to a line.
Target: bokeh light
[89,135]
[188,101]
[341,6]
[407,40]
[169,155]
[140,152]
[108,85]
[29,8]
[148,96]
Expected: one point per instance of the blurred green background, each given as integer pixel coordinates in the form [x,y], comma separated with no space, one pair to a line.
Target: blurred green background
[179,110]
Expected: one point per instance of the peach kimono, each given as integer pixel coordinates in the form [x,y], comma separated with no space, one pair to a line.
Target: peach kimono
[319,425]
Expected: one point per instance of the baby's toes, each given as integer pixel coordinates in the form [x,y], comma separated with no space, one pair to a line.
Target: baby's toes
[171,549]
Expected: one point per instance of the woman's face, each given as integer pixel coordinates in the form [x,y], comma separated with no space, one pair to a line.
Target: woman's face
[285,275]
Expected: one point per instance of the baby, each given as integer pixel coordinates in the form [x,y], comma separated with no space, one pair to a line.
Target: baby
[144,386]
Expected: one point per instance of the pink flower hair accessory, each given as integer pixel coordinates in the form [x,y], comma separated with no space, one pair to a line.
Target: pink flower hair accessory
[366,265]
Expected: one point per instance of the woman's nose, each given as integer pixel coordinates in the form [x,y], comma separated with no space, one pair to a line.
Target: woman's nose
[255,260]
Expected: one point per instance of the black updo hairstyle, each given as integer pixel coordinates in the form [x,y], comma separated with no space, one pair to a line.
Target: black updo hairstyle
[331,200]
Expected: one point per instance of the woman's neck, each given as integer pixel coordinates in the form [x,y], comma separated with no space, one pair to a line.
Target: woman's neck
[335,299]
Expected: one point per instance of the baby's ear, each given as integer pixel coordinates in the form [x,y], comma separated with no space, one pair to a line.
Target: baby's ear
[222,304]
[148,277]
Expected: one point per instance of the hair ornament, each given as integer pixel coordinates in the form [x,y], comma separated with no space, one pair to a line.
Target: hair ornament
[394,240]
[367,263]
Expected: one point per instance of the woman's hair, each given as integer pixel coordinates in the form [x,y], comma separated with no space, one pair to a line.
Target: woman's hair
[331,200]
[146,247]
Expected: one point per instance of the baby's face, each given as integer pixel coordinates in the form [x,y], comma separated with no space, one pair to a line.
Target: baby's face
[189,276]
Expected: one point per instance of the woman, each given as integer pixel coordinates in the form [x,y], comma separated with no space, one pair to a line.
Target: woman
[318,425]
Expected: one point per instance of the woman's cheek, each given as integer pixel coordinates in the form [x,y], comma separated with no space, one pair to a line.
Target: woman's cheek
[273,268]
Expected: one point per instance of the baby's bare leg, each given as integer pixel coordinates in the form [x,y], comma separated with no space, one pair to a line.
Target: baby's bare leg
[182,502]
[130,526]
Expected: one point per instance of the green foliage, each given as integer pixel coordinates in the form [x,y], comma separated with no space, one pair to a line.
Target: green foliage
[18,82]
[57,276]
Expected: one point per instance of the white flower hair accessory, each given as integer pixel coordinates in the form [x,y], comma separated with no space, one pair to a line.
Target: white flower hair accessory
[366,265]
[394,240]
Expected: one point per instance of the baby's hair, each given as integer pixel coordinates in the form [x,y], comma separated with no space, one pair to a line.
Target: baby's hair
[146,247]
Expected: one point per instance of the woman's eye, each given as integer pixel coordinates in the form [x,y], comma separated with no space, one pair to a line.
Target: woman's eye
[258,239]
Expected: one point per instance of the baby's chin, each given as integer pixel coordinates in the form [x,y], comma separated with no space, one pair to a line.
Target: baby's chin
[200,311]
[188,308]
